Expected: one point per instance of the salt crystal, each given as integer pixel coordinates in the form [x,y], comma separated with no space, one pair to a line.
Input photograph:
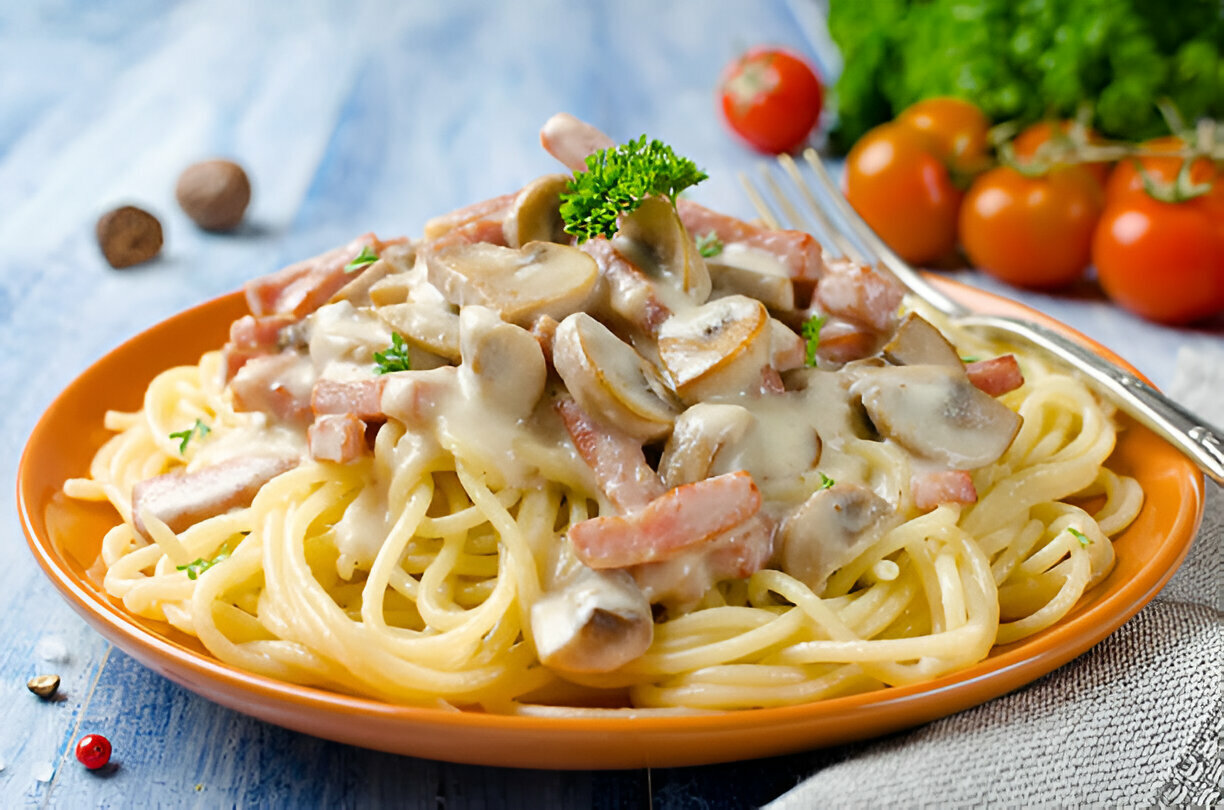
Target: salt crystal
[51,648]
[43,771]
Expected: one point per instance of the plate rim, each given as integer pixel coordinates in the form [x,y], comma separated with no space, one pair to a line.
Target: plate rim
[647,739]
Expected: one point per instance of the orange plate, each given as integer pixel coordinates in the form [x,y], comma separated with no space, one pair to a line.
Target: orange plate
[65,537]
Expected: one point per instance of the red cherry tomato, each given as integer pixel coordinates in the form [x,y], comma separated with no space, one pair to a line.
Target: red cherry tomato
[1028,142]
[771,98]
[1127,177]
[1031,231]
[956,129]
[93,751]
[904,192]
[1163,261]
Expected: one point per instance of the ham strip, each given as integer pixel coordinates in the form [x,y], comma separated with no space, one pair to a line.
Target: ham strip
[360,398]
[276,384]
[677,521]
[996,376]
[339,437]
[798,252]
[616,459]
[181,499]
[943,486]
[860,294]
[570,140]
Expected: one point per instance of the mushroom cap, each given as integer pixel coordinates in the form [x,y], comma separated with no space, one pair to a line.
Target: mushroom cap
[916,341]
[718,348]
[610,380]
[540,278]
[935,412]
[830,529]
[654,239]
[536,213]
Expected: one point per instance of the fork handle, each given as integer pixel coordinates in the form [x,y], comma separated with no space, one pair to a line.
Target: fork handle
[1203,443]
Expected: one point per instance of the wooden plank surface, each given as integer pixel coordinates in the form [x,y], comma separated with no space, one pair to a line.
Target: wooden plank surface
[348,120]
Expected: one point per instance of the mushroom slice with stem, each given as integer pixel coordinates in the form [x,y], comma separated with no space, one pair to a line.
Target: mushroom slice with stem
[536,213]
[719,348]
[540,278]
[610,380]
[654,239]
[430,325]
[596,621]
[502,363]
[917,341]
[700,432]
[743,270]
[831,528]
[937,413]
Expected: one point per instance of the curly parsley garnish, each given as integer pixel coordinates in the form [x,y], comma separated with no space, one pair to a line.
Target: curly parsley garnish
[184,436]
[395,358]
[200,565]
[810,331]
[616,182]
[709,245]
[365,257]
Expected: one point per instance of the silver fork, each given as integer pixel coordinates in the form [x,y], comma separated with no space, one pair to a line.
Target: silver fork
[1201,442]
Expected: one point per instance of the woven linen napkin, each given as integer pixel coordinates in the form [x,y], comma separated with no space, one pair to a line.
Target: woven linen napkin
[1137,720]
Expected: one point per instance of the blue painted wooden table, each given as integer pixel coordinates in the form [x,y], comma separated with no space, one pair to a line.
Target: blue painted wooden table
[348,120]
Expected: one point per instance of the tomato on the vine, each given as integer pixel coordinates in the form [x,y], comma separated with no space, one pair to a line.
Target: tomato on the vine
[956,129]
[1163,261]
[1030,145]
[904,192]
[771,98]
[1031,232]
[1128,175]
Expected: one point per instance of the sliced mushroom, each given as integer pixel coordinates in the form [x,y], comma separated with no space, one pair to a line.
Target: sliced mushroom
[432,326]
[742,270]
[718,348]
[536,214]
[700,432]
[935,412]
[830,529]
[393,260]
[654,239]
[598,621]
[502,363]
[787,350]
[917,341]
[539,278]
[610,380]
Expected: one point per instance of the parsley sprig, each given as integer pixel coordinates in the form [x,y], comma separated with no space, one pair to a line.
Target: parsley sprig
[365,257]
[200,565]
[709,245]
[184,436]
[616,182]
[394,358]
[810,331]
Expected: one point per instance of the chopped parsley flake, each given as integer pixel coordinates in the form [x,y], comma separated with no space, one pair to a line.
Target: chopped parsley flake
[709,245]
[184,436]
[1080,536]
[811,333]
[826,481]
[394,358]
[365,257]
[200,565]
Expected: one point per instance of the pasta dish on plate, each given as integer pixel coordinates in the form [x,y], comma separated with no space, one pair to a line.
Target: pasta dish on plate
[592,447]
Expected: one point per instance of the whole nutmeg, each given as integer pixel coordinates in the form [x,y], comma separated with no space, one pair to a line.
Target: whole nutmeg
[128,236]
[214,193]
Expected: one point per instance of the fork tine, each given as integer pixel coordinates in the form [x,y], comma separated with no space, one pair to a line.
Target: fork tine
[875,247]
[758,202]
[839,240]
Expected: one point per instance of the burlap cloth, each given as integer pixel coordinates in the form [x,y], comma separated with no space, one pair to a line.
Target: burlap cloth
[1136,721]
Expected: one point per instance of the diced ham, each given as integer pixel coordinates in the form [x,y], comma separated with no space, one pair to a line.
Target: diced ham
[931,489]
[493,209]
[252,337]
[276,384]
[570,140]
[616,459]
[359,398]
[339,437]
[735,554]
[771,381]
[677,521]
[301,288]
[996,376]
[482,230]
[180,499]
[861,294]
[798,252]
[631,295]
